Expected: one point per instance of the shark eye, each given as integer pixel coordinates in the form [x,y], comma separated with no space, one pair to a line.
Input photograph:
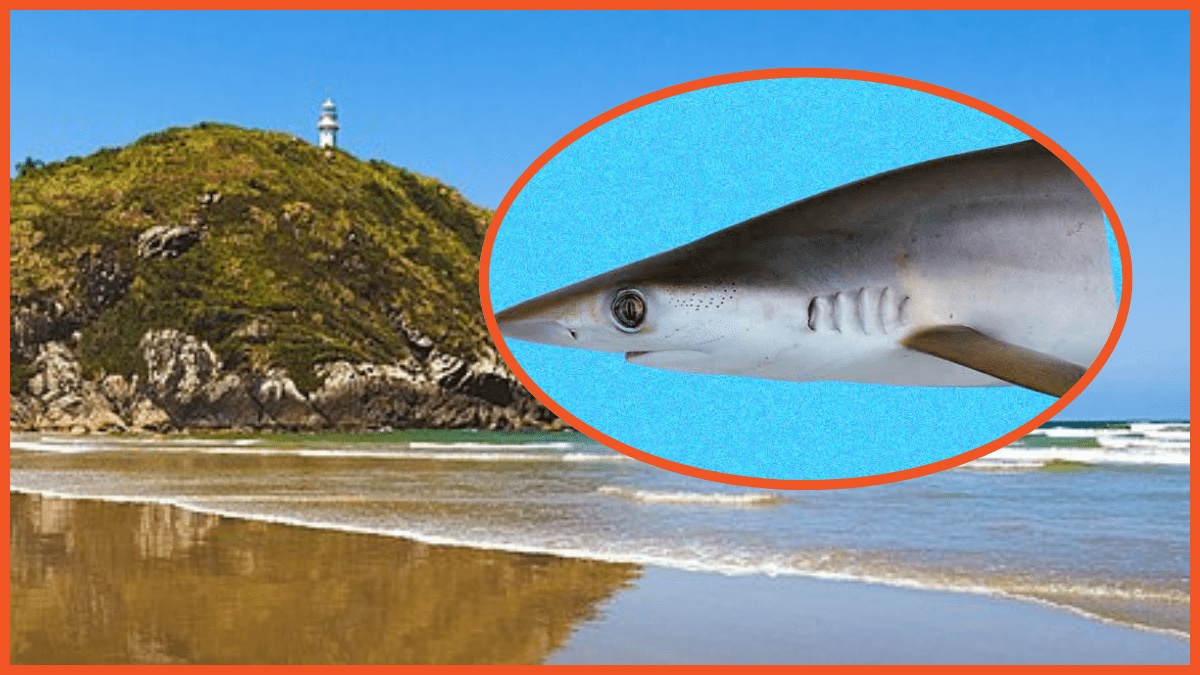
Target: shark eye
[629,310]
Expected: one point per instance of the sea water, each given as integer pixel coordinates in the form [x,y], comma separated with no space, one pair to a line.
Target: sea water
[1089,517]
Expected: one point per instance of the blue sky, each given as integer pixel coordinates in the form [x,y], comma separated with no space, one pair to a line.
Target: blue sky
[473,99]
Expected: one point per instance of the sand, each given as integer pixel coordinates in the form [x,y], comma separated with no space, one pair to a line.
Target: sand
[98,582]
[674,616]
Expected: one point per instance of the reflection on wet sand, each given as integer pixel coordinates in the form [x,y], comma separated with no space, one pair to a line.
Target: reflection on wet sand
[97,582]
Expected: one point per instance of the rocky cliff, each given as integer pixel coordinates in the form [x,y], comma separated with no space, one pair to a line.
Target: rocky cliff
[217,277]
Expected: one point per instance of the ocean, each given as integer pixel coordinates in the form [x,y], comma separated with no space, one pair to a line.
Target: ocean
[1088,518]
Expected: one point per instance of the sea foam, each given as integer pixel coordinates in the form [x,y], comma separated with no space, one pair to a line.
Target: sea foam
[713,498]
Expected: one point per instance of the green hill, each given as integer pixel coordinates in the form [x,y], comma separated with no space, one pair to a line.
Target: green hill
[278,255]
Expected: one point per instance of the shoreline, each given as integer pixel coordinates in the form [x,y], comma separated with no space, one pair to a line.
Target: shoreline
[710,579]
[757,620]
[646,561]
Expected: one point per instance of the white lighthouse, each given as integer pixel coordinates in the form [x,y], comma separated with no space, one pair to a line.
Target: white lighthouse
[328,126]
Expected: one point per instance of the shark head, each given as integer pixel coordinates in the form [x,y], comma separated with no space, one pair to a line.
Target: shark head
[707,307]
[667,324]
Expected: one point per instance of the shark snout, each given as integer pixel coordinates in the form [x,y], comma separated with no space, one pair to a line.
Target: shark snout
[519,325]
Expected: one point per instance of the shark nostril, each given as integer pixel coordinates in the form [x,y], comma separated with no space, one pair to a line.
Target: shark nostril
[574,336]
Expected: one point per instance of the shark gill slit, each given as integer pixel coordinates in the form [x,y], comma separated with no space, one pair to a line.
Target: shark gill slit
[867,310]
[843,311]
[889,314]
[820,314]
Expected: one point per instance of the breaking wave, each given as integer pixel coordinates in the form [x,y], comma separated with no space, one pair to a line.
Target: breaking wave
[714,498]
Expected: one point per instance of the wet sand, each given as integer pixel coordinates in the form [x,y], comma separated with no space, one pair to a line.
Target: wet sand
[98,582]
[105,583]
[674,616]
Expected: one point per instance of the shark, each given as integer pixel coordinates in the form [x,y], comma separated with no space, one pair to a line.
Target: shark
[987,268]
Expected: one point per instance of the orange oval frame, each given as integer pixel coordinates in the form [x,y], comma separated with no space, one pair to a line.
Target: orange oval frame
[829,483]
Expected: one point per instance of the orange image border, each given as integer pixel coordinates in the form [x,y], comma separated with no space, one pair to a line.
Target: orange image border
[802,484]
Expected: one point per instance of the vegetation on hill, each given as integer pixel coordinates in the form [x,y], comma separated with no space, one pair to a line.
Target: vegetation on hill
[275,252]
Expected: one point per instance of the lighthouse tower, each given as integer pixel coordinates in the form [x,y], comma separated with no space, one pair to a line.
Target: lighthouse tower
[328,126]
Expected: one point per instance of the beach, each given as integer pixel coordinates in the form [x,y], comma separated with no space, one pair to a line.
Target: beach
[1071,546]
[99,582]
[689,617]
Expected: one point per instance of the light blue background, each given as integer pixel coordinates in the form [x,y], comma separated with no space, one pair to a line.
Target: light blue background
[668,173]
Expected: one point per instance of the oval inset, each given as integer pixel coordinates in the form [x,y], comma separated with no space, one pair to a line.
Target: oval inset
[684,162]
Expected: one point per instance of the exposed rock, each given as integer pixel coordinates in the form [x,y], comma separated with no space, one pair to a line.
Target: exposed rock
[33,321]
[56,373]
[283,403]
[61,399]
[186,380]
[420,345]
[96,414]
[178,365]
[211,197]
[257,330]
[483,379]
[443,393]
[365,395]
[226,403]
[36,321]
[187,387]
[147,416]
[119,392]
[20,412]
[102,280]
[167,241]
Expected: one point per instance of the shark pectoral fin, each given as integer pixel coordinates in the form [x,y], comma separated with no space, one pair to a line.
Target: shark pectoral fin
[1023,367]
